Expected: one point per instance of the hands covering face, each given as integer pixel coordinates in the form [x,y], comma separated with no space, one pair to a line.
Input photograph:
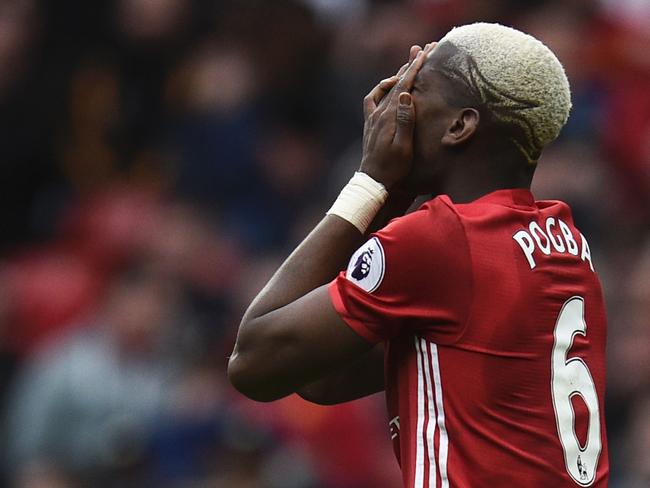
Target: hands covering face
[389,119]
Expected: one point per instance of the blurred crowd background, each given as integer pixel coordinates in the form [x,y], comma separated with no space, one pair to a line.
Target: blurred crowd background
[158,159]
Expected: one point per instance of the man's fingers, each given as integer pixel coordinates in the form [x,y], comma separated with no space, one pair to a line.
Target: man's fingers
[384,99]
[405,122]
[377,93]
[402,81]
[406,79]
[403,69]
[414,52]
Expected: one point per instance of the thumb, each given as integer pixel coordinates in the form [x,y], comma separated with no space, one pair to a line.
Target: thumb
[405,120]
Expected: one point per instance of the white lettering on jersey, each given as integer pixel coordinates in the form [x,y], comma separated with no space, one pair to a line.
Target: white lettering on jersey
[558,244]
[537,233]
[570,241]
[393,425]
[585,254]
[536,239]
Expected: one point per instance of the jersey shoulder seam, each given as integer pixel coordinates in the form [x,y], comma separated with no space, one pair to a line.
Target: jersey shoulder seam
[464,327]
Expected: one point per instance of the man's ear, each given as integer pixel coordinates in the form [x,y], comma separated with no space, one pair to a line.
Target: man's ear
[462,128]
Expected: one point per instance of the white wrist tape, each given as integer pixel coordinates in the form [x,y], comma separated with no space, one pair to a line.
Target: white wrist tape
[360,201]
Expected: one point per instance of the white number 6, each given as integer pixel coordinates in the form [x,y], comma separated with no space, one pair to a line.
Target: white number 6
[571,377]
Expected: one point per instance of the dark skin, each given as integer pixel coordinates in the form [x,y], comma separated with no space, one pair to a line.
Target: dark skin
[419,138]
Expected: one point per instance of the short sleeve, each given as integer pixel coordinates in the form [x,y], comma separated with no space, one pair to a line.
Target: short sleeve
[413,276]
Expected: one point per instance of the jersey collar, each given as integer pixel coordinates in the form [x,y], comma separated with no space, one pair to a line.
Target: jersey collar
[511,197]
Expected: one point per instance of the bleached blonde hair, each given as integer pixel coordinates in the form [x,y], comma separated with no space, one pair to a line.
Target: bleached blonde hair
[514,76]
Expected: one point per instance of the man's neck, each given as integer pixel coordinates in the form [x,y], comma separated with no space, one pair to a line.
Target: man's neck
[470,179]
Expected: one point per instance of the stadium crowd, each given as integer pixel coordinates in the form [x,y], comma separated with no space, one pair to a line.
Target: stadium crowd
[158,158]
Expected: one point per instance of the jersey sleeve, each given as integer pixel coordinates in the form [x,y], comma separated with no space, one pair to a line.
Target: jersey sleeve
[412,276]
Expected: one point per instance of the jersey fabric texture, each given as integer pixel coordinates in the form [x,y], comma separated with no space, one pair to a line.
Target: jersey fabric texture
[494,326]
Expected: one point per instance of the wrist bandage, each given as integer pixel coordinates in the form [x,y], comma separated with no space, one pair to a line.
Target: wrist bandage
[360,201]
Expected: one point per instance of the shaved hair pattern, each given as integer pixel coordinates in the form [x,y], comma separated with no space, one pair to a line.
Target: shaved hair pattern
[515,77]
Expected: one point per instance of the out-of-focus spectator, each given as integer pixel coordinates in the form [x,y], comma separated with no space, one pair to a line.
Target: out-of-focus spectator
[84,404]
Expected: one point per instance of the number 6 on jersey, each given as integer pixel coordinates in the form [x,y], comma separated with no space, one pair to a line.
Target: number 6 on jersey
[571,377]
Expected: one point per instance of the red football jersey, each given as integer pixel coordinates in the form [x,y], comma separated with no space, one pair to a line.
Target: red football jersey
[494,324]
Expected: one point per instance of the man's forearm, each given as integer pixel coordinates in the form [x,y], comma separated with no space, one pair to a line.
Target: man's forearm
[266,362]
[266,343]
[320,257]
[316,260]
[360,378]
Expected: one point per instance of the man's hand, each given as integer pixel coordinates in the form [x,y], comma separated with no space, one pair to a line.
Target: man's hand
[389,120]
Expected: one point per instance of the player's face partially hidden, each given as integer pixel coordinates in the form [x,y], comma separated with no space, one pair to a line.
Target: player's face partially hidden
[433,115]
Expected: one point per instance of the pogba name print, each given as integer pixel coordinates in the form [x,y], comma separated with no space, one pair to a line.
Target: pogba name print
[555,236]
